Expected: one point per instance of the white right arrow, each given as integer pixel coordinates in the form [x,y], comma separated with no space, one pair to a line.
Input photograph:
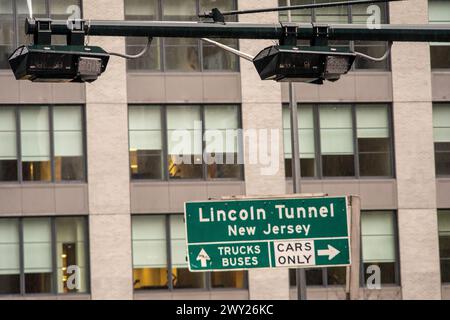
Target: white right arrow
[331,252]
[203,258]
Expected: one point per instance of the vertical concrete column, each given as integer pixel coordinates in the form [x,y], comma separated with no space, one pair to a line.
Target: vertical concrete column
[261,109]
[108,166]
[413,129]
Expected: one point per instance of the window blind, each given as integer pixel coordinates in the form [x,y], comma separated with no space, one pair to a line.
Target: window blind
[305,133]
[221,123]
[336,133]
[378,237]
[145,128]
[178,242]
[37,245]
[184,130]
[372,121]
[441,122]
[149,242]
[9,247]
[35,134]
[8,146]
[68,134]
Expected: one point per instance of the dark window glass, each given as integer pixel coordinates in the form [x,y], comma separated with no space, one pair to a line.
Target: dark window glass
[442,158]
[307,167]
[336,276]
[314,277]
[229,279]
[338,165]
[440,57]
[444,244]
[441,128]
[387,272]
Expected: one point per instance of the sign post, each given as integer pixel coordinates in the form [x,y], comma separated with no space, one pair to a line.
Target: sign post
[268,233]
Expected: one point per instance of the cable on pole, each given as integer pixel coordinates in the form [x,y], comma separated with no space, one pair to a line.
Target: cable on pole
[365,56]
[137,56]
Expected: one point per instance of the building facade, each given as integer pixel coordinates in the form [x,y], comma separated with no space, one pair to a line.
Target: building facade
[89,177]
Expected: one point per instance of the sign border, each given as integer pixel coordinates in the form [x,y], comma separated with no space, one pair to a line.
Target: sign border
[349,221]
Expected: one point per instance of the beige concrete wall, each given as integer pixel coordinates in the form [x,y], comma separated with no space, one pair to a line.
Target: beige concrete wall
[261,109]
[108,166]
[413,129]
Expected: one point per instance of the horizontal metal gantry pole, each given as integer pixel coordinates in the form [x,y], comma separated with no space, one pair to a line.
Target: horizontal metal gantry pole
[237,30]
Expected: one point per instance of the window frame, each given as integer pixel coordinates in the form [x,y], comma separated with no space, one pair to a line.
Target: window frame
[439,175]
[54,286]
[318,148]
[447,212]
[164,136]
[207,276]
[162,46]
[51,107]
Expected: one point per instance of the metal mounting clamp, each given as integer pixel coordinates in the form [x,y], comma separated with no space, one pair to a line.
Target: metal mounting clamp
[289,36]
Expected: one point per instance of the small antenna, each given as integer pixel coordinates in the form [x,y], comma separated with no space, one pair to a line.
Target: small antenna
[30,8]
[218,16]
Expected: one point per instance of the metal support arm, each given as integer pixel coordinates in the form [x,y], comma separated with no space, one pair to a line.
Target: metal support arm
[236,30]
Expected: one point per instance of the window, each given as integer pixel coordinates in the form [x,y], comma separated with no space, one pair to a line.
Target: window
[146,142]
[179,54]
[374,144]
[12,21]
[306,138]
[344,14]
[202,142]
[159,245]
[31,248]
[184,139]
[444,244]
[378,232]
[341,140]
[10,253]
[378,247]
[336,140]
[441,125]
[6,32]
[335,276]
[35,143]
[8,145]
[439,12]
[42,143]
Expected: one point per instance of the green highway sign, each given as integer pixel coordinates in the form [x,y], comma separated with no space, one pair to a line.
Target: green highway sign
[267,233]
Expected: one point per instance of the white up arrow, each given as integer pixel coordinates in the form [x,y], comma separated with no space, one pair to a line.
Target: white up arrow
[203,258]
[331,252]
